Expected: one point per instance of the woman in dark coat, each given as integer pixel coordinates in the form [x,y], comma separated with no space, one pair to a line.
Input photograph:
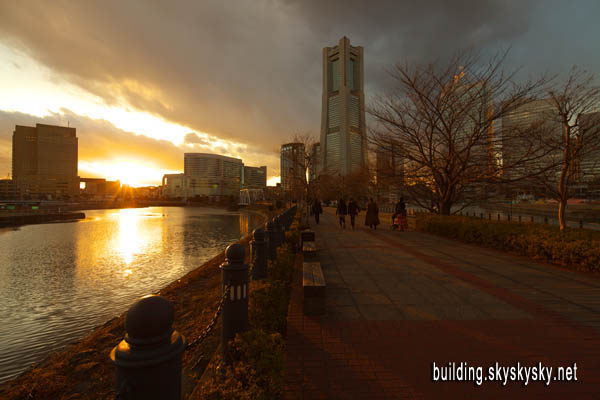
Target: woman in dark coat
[372,218]
[317,209]
[341,211]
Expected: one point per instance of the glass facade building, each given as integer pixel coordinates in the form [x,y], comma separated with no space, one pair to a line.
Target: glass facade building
[343,130]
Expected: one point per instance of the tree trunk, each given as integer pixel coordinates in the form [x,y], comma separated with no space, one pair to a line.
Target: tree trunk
[445,207]
[562,208]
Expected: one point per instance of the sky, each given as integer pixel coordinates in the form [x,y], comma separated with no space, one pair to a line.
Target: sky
[144,81]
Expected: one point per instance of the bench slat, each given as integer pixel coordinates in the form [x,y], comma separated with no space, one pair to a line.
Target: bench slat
[318,278]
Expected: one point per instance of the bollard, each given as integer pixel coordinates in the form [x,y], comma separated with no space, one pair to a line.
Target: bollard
[148,360]
[280,229]
[532,219]
[259,254]
[490,216]
[498,217]
[580,224]
[481,216]
[508,217]
[519,219]
[234,273]
[272,253]
[545,220]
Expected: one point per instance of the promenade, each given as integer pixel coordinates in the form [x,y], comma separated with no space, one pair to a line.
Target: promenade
[399,301]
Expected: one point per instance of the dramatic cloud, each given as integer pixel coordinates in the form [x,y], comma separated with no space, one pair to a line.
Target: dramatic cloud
[250,71]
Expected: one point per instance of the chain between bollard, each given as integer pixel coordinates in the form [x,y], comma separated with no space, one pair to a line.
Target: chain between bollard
[209,328]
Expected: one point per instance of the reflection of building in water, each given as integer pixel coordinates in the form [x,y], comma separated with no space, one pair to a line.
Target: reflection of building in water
[251,196]
[244,224]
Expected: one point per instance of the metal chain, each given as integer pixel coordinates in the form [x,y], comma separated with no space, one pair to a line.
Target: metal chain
[209,328]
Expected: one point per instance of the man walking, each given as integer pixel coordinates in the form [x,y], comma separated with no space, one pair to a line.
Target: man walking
[317,210]
[353,211]
[341,211]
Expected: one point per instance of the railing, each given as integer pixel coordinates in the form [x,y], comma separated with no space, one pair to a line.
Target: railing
[148,360]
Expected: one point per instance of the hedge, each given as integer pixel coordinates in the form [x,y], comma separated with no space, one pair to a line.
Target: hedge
[574,248]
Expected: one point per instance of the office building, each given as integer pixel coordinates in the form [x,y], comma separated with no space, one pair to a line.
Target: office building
[343,131]
[389,170]
[589,165]
[314,169]
[254,177]
[519,144]
[44,163]
[293,166]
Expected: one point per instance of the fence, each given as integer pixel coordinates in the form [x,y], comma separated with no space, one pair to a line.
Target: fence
[148,360]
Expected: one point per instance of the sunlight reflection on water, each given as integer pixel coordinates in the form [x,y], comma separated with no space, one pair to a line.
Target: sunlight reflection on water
[58,281]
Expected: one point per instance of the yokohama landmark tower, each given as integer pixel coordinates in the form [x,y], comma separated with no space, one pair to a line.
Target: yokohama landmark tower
[343,140]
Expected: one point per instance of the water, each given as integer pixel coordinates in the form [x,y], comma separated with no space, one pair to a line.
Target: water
[58,281]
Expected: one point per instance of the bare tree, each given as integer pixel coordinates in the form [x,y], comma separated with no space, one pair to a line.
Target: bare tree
[576,142]
[440,120]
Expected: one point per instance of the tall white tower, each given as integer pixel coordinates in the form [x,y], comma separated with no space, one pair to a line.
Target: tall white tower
[343,130]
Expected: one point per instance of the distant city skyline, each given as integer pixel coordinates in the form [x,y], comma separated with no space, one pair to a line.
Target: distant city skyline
[139,101]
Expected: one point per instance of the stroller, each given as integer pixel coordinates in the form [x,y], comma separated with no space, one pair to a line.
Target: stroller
[399,222]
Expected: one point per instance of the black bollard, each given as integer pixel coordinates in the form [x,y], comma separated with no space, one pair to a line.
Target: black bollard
[279,234]
[234,275]
[148,360]
[490,216]
[481,216]
[259,254]
[271,241]
[519,219]
[508,217]
[580,224]
[532,219]
[498,217]
[545,220]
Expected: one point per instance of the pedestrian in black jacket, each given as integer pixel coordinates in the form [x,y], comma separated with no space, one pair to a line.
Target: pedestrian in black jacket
[353,211]
[341,211]
[317,210]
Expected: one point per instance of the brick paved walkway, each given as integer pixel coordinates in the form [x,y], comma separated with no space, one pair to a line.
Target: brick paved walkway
[399,301]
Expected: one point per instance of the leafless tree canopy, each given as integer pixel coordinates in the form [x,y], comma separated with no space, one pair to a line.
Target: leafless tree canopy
[440,119]
[573,144]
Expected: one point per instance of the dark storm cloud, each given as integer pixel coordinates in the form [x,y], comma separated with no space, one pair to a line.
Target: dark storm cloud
[251,70]
[99,140]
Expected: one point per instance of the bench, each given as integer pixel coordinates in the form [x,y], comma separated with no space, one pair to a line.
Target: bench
[313,284]
[309,250]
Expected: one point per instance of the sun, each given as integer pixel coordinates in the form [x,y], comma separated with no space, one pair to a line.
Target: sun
[130,172]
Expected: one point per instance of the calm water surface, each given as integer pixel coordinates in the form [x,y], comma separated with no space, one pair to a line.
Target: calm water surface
[58,281]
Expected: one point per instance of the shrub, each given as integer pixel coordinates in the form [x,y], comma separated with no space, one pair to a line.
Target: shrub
[256,370]
[574,248]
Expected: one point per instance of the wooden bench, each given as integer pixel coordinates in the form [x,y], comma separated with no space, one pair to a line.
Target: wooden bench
[313,284]
[309,250]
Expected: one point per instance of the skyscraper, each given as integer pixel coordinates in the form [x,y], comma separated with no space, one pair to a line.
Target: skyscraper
[293,170]
[343,130]
[45,161]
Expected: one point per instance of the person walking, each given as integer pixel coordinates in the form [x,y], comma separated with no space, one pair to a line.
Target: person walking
[372,218]
[317,210]
[341,211]
[353,211]
[399,217]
